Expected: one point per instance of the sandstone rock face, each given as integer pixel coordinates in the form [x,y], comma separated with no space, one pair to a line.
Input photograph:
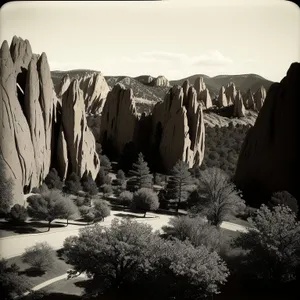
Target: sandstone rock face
[94,88]
[202,92]
[269,158]
[79,139]
[185,87]
[230,92]
[259,98]
[62,155]
[249,100]
[21,53]
[181,127]
[161,81]
[239,108]
[16,146]
[222,99]
[119,119]
[30,112]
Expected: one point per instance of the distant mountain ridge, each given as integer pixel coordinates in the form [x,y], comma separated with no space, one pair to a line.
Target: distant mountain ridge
[145,91]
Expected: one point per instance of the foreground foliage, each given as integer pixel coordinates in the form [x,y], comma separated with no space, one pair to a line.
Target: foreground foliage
[12,284]
[216,197]
[128,257]
[273,245]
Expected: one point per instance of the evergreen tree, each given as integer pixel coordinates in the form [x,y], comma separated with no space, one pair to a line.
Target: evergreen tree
[53,180]
[179,183]
[141,177]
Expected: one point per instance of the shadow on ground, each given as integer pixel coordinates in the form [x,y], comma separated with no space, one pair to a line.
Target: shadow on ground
[132,216]
[32,272]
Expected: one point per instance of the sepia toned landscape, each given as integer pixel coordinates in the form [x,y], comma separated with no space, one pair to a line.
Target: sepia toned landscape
[139,186]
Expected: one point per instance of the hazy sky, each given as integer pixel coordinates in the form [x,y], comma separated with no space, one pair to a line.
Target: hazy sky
[172,38]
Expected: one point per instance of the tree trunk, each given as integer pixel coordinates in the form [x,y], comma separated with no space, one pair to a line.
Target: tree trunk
[49,223]
[145,214]
[67,222]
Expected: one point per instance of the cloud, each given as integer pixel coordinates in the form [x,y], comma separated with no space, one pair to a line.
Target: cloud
[209,58]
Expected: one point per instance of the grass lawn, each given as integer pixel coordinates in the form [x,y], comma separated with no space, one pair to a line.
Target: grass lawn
[59,267]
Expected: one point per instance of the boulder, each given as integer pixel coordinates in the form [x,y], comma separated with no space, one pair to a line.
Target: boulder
[161,81]
[269,158]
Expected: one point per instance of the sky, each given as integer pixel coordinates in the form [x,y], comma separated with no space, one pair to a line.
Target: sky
[172,38]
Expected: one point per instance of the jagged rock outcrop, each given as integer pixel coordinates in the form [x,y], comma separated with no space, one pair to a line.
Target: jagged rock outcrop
[79,139]
[202,92]
[30,114]
[269,158]
[145,79]
[230,92]
[161,81]
[249,100]
[185,88]
[239,108]
[259,98]
[119,118]
[21,53]
[222,99]
[63,86]
[180,128]
[94,88]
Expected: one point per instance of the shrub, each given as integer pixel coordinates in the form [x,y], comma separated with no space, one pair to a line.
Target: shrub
[42,189]
[53,181]
[284,198]
[87,213]
[39,256]
[125,198]
[196,230]
[107,189]
[102,178]
[72,184]
[102,209]
[120,177]
[145,199]
[18,214]
[83,201]
[105,164]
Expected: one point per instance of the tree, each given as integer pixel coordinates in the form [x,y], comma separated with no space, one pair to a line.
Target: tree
[216,197]
[272,243]
[18,214]
[53,181]
[196,230]
[72,184]
[128,257]
[120,177]
[105,164]
[69,209]
[12,283]
[107,189]
[6,186]
[47,206]
[284,198]
[179,183]
[145,199]
[126,198]
[102,209]
[89,185]
[158,179]
[141,177]
[102,178]
[40,256]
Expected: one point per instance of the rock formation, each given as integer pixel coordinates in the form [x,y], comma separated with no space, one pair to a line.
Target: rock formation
[29,115]
[259,98]
[269,158]
[119,119]
[222,99]
[94,88]
[230,92]
[79,139]
[239,108]
[202,92]
[161,81]
[180,128]
[185,88]
[249,100]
